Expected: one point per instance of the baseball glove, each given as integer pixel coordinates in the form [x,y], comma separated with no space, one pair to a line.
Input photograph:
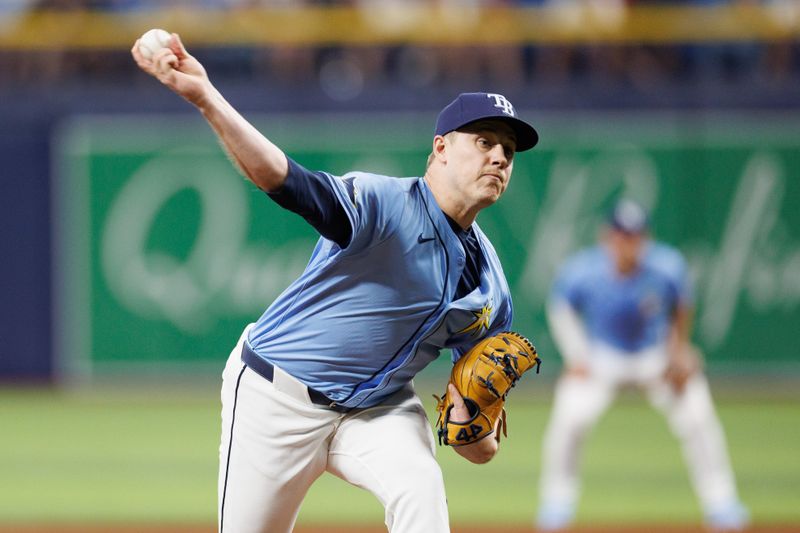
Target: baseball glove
[484,376]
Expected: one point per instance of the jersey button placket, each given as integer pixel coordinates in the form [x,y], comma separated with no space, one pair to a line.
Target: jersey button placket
[458,271]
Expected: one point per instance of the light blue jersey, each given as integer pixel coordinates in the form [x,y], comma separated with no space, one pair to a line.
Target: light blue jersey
[631,312]
[363,320]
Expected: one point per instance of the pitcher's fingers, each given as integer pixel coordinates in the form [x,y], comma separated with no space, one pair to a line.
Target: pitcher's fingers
[459,412]
[176,45]
[165,61]
[455,395]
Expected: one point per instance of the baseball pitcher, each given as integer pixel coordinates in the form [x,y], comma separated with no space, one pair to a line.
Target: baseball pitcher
[321,382]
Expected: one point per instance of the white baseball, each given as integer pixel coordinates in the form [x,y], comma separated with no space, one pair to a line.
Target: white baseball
[152,41]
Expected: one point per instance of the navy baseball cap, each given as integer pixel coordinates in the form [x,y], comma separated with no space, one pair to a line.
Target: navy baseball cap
[629,217]
[470,107]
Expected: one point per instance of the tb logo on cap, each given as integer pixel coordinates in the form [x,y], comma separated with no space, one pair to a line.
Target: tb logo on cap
[502,102]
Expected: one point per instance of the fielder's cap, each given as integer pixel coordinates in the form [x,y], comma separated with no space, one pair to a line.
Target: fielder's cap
[629,217]
[470,107]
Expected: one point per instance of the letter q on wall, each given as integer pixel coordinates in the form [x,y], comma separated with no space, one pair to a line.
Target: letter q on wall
[154,283]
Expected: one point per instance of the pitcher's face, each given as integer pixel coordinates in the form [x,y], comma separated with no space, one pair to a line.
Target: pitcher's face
[480,160]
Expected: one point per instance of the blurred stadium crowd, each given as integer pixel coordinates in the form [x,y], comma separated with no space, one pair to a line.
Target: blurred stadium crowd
[345,71]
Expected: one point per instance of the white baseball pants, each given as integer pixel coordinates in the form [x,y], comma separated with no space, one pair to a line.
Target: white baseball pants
[580,401]
[275,443]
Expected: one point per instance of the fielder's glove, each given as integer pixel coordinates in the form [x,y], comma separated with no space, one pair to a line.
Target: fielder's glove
[484,376]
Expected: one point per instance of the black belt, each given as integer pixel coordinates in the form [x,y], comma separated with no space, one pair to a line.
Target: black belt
[266,370]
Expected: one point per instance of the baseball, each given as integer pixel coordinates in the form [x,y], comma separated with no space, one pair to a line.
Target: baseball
[152,41]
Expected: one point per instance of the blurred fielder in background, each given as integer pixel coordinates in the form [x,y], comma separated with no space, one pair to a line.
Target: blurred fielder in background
[322,381]
[620,314]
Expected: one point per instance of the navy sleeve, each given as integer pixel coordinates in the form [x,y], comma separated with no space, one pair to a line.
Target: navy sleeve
[310,195]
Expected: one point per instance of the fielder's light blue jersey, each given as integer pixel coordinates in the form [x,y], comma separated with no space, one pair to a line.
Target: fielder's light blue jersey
[631,312]
[363,320]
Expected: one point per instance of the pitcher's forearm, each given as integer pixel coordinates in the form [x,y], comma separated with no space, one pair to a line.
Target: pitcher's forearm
[256,156]
[479,452]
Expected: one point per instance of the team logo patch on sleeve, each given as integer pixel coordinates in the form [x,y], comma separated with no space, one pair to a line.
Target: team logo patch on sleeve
[481,323]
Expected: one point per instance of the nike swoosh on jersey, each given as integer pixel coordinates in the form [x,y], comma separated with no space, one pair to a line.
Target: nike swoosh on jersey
[422,238]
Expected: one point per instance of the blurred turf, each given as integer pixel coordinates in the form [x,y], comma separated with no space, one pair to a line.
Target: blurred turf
[123,455]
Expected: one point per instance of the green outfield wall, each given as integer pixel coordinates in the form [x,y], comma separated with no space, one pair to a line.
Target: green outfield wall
[163,252]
